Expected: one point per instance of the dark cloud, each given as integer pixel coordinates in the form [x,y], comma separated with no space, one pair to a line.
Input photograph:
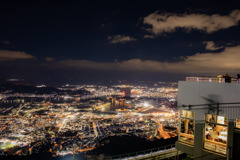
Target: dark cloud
[169,22]
[6,55]
[120,39]
[6,42]
[49,59]
[210,45]
[149,36]
[224,61]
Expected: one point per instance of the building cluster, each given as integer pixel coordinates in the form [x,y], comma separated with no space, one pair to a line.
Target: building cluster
[64,124]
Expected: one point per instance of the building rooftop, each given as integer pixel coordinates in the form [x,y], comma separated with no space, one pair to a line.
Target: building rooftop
[219,79]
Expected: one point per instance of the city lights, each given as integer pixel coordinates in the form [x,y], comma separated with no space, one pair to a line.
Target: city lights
[68,126]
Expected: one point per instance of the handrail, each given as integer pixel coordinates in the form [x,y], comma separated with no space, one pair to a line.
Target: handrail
[210,104]
[170,146]
[212,79]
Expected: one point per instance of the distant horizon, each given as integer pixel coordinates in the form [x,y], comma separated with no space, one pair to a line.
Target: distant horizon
[101,82]
[147,80]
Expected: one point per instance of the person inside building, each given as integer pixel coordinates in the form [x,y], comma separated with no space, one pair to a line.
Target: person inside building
[227,78]
[238,78]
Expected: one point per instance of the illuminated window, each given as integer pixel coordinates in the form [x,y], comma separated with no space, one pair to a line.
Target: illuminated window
[187,114]
[222,120]
[183,113]
[237,123]
[216,133]
[187,126]
[211,118]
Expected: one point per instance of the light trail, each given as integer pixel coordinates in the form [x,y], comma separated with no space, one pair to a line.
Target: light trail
[86,149]
[20,108]
[95,129]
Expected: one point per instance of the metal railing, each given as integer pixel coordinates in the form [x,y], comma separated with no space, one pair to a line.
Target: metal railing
[215,147]
[211,79]
[148,153]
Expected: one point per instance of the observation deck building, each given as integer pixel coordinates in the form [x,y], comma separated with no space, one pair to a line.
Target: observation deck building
[209,118]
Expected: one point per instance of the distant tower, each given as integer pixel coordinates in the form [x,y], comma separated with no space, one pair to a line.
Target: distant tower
[113,101]
[121,102]
[126,91]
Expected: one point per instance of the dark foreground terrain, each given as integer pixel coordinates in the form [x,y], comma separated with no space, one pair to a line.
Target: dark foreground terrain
[110,146]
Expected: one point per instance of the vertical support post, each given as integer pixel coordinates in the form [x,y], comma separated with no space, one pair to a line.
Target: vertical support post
[179,124]
[177,155]
[198,138]
[230,138]
[217,109]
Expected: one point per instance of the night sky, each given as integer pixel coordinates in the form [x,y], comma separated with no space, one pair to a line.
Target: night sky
[57,42]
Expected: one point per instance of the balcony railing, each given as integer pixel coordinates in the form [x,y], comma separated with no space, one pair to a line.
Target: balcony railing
[163,152]
[212,79]
[215,146]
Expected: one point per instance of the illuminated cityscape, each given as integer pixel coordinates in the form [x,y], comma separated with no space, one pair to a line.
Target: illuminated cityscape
[67,122]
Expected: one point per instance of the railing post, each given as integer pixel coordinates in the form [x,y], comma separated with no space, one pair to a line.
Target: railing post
[150,151]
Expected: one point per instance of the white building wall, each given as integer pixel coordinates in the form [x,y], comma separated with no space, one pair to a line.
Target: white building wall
[195,93]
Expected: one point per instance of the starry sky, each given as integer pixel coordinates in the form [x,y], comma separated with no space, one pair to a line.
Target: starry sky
[72,41]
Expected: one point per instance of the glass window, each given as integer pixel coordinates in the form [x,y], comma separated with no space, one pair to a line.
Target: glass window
[190,114]
[187,114]
[211,118]
[237,123]
[216,135]
[187,126]
[221,120]
[183,113]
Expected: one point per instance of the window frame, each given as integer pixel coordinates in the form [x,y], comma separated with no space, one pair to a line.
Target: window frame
[216,123]
[188,136]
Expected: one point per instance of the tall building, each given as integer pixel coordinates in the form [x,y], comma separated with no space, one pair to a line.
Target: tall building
[209,118]
[126,91]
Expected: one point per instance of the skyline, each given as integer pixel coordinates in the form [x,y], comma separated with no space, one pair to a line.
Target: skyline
[69,41]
